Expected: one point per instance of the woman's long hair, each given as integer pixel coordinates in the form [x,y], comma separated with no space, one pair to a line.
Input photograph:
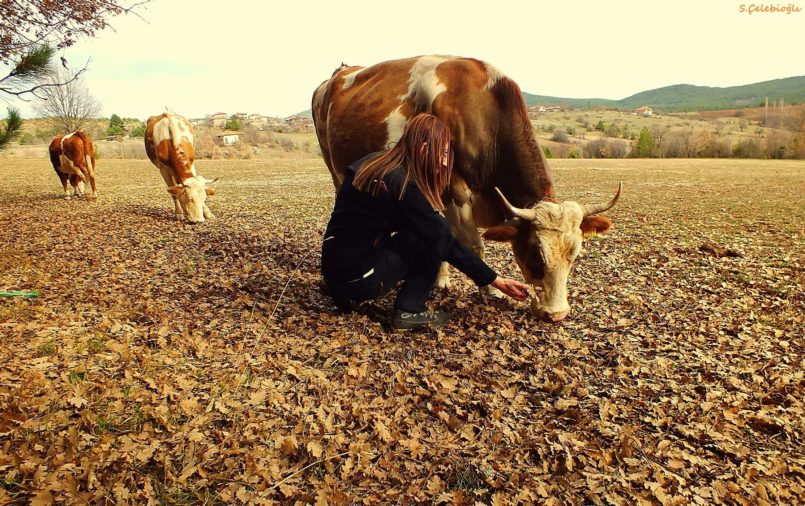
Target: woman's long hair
[424,167]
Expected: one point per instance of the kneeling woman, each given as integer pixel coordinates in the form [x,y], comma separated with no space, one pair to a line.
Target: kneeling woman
[386,227]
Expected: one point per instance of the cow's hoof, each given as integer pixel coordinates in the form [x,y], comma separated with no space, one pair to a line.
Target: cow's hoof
[491,291]
[67,197]
[443,283]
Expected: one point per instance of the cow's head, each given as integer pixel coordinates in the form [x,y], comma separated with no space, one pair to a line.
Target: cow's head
[192,194]
[546,240]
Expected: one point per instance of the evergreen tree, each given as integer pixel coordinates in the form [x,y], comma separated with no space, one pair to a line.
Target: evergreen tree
[10,128]
[116,126]
[644,148]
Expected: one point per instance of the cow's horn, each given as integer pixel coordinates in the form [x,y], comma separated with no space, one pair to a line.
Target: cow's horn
[600,208]
[525,214]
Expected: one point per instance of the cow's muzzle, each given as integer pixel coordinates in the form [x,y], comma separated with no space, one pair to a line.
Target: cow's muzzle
[552,316]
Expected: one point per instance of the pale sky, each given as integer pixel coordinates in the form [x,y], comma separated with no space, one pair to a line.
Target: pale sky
[199,57]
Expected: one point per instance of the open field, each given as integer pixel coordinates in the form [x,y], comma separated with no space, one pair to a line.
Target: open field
[165,363]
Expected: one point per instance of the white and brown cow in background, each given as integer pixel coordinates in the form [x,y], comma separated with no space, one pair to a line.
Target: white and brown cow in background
[73,158]
[360,110]
[169,143]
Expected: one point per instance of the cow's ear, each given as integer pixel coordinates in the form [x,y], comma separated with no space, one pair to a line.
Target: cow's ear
[592,225]
[501,233]
[210,190]
[175,190]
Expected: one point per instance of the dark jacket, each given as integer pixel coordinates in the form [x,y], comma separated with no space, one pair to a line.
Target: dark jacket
[361,222]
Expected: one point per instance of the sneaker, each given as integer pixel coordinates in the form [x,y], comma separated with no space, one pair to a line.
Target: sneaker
[404,320]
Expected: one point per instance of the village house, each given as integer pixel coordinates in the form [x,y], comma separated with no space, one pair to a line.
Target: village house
[300,124]
[257,121]
[644,111]
[217,120]
[228,137]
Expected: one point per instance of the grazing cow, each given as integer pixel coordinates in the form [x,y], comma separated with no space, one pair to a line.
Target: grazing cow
[169,144]
[361,110]
[73,159]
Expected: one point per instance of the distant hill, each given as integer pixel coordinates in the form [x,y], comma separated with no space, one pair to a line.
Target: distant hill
[304,114]
[687,97]
[684,97]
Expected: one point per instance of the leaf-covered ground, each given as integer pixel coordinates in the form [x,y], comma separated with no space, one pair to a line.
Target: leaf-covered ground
[165,363]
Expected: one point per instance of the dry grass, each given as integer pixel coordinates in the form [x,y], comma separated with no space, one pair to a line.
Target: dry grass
[179,364]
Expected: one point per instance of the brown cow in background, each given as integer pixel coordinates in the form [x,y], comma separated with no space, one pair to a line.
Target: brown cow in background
[73,159]
[169,143]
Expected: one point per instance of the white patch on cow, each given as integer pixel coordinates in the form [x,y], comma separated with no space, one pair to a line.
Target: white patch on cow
[395,124]
[423,85]
[67,166]
[173,128]
[493,75]
[65,138]
[423,88]
[349,79]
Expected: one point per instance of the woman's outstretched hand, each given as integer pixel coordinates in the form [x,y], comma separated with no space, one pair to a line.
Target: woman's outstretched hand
[511,287]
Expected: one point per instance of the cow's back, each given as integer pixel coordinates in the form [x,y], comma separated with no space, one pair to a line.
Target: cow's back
[169,142]
[360,110]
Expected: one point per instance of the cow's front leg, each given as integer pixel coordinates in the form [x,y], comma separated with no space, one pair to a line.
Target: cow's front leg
[177,209]
[463,226]
[443,278]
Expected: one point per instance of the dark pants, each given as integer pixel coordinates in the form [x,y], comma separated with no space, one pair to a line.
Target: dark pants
[403,257]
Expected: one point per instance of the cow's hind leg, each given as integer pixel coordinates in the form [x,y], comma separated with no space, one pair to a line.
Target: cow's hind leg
[78,185]
[65,178]
[89,170]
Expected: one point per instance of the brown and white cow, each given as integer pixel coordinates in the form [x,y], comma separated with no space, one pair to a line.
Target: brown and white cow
[73,159]
[360,110]
[169,143]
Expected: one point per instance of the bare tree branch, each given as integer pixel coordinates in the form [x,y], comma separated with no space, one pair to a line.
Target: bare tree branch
[28,23]
[67,101]
[46,82]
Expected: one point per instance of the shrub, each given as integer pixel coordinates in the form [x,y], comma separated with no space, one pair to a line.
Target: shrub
[547,151]
[775,145]
[748,148]
[604,148]
[138,131]
[615,149]
[612,131]
[560,136]
[27,138]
